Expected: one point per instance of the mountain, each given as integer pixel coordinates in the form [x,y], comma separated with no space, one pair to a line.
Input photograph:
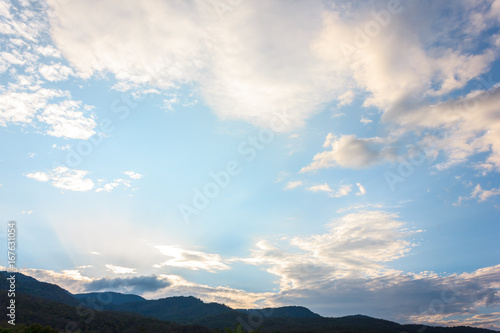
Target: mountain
[284,311]
[68,318]
[102,299]
[179,309]
[48,304]
[28,285]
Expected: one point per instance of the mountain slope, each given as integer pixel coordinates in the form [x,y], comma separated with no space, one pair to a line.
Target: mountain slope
[67,318]
[179,309]
[27,284]
[48,304]
[103,299]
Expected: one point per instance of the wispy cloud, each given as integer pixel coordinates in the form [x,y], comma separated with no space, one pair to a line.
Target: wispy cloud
[190,259]
[120,269]
[64,178]
[293,184]
[361,189]
[479,194]
[133,175]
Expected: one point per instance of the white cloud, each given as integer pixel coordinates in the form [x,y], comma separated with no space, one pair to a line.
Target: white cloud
[239,76]
[133,175]
[346,98]
[64,118]
[55,72]
[120,269]
[319,188]
[282,175]
[189,259]
[469,126]
[293,184]
[356,245]
[350,151]
[361,188]
[48,51]
[64,178]
[20,107]
[479,194]
[366,121]
[66,121]
[115,183]
[340,192]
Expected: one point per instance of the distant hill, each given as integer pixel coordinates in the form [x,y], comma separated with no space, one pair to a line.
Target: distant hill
[31,286]
[103,299]
[179,309]
[48,304]
[284,311]
[69,318]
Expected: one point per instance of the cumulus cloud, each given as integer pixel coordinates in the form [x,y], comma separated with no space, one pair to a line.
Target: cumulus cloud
[55,72]
[120,269]
[190,259]
[64,178]
[351,152]
[238,75]
[26,100]
[356,245]
[469,126]
[137,285]
[67,121]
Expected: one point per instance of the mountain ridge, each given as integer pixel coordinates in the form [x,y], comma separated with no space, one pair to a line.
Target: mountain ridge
[189,310]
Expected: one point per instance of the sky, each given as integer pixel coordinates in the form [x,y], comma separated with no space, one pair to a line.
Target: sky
[339,155]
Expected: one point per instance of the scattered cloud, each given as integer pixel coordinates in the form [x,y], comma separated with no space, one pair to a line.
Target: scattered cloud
[64,178]
[366,121]
[346,98]
[120,269]
[55,72]
[340,192]
[479,194]
[67,121]
[320,188]
[133,175]
[356,245]
[189,259]
[362,190]
[350,151]
[110,186]
[293,184]
[282,175]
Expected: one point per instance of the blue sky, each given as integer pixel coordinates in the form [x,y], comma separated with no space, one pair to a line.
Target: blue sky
[343,156]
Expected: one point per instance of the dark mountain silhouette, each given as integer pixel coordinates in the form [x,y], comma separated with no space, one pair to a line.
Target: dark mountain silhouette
[27,284]
[48,304]
[68,318]
[284,311]
[179,309]
[107,298]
